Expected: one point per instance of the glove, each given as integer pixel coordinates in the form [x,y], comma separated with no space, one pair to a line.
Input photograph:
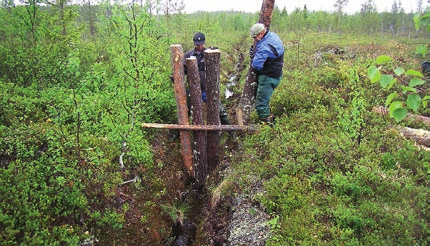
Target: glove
[251,52]
[204,96]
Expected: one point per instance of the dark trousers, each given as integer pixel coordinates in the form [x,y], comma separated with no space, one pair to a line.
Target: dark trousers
[266,86]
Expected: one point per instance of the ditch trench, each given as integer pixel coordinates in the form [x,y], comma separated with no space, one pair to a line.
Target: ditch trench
[226,220]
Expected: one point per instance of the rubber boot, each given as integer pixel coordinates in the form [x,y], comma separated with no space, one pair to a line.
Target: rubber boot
[270,120]
[175,135]
[224,120]
[223,116]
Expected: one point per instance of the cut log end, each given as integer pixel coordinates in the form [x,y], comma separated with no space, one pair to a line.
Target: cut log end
[212,51]
[420,136]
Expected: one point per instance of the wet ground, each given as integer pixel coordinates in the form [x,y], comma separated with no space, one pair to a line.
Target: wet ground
[211,219]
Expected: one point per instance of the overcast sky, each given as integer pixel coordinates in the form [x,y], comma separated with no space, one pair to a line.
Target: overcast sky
[312,5]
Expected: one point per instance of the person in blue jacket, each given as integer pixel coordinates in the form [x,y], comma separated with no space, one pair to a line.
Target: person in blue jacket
[268,60]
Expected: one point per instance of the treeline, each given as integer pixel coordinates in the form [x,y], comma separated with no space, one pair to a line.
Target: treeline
[368,21]
[61,26]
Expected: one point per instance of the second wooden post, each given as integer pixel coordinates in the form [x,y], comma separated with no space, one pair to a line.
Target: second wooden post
[212,68]
[199,153]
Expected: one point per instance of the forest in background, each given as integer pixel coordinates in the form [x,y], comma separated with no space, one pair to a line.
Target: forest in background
[77,80]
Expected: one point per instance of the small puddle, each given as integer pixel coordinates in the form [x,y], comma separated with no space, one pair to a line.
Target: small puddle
[232,83]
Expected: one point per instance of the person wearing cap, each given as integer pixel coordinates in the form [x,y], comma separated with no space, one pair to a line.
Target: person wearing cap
[199,41]
[268,60]
[197,52]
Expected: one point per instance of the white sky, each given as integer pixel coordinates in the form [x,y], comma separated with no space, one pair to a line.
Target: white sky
[312,5]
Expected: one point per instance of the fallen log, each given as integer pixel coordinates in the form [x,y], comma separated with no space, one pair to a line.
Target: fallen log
[420,136]
[385,111]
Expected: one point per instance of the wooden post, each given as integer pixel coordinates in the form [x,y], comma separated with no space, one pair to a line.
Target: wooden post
[247,101]
[250,128]
[177,58]
[200,155]
[212,68]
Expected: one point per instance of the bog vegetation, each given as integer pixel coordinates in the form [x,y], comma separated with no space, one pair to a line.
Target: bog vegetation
[76,81]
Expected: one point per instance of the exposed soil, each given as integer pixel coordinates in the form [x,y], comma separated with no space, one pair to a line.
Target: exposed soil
[212,218]
[227,220]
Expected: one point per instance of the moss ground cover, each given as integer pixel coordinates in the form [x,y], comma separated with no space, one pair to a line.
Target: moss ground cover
[74,163]
[334,172]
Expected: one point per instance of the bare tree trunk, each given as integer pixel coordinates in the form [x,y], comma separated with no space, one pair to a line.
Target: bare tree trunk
[212,68]
[200,154]
[63,21]
[177,58]
[90,16]
[247,100]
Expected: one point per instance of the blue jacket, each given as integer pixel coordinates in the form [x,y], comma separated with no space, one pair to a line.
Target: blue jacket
[269,56]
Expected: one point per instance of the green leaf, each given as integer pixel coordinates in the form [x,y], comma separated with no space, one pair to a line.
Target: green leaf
[413,102]
[399,71]
[426,15]
[390,98]
[417,20]
[414,73]
[61,180]
[415,82]
[383,59]
[396,105]
[391,84]
[399,114]
[374,74]
[421,50]
[386,80]
[410,89]
[422,20]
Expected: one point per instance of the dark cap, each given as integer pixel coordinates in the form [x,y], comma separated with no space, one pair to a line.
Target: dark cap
[199,38]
